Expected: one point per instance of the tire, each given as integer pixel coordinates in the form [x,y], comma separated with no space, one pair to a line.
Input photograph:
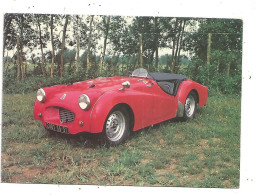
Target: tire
[117,126]
[190,106]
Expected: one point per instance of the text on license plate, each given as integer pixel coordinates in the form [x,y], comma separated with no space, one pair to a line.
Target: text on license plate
[56,128]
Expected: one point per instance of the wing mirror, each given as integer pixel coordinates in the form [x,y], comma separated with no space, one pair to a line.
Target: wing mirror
[125,84]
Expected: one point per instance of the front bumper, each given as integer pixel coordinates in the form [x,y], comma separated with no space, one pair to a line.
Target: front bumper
[73,118]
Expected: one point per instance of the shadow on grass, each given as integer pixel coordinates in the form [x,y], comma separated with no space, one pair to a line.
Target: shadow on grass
[89,140]
[84,139]
[152,128]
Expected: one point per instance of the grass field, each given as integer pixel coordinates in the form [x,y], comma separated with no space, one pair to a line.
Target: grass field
[204,152]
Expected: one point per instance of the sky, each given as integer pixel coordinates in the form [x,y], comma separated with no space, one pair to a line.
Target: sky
[58,33]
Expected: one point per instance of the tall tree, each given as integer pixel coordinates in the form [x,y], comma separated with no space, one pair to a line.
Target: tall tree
[140,50]
[78,33]
[63,45]
[89,47]
[39,20]
[9,39]
[53,48]
[209,41]
[106,21]
[20,70]
[8,32]
[180,44]
[19,57]
[156,30]
[173,37]
[225,43]
[135,41]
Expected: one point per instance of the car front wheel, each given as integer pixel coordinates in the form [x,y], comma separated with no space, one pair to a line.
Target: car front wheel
[190,106]
[116,128]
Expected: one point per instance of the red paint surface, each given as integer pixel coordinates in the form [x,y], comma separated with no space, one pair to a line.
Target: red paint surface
[150,105]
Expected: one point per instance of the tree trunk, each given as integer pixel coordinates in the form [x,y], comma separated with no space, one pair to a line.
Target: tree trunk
[32,59]
[41,48]
[115,60]
[63,46]
[26,68]
[174,46]
[156,42]
[20,48]
[105,43]
[141,50]
[180,46]
[156,56]
[176,59]
[228,69]
[89,49]
[6,63]
[7,24]
[209,41]
[53,51]
[136,60]
[19,58]
[78,23]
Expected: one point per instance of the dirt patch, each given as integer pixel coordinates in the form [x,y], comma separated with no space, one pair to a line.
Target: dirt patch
[226,183]
[216,140]
[204,143]
[5,158]
[17,179]
[31,173]
[162,141]
[145,161]
[169,169]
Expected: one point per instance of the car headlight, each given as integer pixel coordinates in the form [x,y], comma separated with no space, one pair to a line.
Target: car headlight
[84,102]
[40,95]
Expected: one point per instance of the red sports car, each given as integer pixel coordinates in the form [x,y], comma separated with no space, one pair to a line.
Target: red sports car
[115,106]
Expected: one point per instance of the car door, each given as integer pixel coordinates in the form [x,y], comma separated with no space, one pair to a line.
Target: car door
[165,105]
[147,102]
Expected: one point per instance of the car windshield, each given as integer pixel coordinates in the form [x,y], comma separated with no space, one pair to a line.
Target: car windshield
[140,72]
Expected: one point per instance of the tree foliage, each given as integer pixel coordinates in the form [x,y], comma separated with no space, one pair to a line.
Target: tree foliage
[81,47]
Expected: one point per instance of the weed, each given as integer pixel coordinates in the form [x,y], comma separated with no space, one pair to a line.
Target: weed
[204,152]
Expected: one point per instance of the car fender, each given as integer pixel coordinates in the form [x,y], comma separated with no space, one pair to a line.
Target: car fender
[184,89]
[107,102]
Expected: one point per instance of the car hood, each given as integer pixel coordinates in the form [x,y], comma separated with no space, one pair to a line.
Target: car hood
[94,88]
[101,85]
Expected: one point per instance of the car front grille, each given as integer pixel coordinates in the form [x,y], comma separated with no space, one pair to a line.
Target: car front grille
[66,116]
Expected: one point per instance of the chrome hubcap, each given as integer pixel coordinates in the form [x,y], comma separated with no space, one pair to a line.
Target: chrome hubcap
[190,106]
[115,126]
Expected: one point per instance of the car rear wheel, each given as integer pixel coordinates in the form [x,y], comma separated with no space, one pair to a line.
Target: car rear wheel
[190,106]
[117,125]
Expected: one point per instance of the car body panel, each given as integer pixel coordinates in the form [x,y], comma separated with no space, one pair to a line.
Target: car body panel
[148,103]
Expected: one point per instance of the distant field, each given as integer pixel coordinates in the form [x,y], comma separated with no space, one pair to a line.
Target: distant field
[204,152]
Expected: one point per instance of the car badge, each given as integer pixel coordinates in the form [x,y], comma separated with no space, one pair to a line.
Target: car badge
[63,97]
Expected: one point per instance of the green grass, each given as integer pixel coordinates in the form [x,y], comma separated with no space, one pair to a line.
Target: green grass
[204,152]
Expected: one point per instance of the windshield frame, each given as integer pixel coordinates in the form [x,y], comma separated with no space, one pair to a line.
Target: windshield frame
[140,72]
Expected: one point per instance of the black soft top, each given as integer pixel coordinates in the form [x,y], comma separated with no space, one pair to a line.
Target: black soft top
[168,82]
[167,77]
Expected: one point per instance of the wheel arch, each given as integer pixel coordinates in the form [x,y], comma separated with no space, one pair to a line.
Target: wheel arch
[182,97]
[197,95]
[101,111]
[129,110]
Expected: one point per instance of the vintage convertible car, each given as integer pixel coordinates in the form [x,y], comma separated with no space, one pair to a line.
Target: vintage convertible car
[115,106]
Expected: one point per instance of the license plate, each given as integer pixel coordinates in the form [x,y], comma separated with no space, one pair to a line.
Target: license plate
[56,128]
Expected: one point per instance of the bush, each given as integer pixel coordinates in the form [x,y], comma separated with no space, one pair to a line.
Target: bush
[34,82]
[216,81]
[196,70]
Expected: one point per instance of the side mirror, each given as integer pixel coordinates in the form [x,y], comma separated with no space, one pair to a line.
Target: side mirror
[125,84]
